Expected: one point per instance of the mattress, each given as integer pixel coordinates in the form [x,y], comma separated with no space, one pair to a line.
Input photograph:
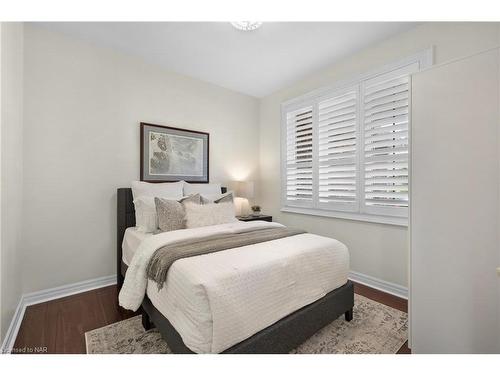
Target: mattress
[131,241]
[260,285]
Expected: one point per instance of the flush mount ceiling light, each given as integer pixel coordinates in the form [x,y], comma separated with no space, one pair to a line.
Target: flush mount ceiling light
[247,25]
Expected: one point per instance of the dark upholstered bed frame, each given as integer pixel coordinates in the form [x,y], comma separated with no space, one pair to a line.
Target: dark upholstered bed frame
[281,337]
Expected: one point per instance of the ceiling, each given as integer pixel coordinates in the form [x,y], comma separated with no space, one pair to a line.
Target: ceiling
[256,63]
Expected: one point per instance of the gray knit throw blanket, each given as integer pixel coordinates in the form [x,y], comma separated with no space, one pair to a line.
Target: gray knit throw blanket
[165,256]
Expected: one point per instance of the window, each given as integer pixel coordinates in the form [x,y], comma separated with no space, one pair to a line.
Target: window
[346,149]
[299,170]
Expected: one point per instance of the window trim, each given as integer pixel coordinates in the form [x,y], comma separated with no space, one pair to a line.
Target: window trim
[424,60]
[356,216]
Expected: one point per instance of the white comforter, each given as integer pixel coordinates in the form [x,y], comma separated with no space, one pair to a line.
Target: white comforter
[230,295]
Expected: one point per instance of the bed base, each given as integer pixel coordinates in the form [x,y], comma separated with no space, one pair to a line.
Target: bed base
[281,337]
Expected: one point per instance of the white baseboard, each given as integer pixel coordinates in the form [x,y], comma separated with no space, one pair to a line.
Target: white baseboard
[384,286]
[48,295]
[15,323]
[67,290]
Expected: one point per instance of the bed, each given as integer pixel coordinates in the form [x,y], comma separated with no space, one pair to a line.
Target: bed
[277,336]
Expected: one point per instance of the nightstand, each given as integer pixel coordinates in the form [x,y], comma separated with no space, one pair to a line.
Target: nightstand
[254,218]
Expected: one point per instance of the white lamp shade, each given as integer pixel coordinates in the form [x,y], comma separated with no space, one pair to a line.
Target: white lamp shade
[243,189]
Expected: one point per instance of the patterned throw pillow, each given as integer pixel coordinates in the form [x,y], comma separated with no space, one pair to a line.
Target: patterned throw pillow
[171,214]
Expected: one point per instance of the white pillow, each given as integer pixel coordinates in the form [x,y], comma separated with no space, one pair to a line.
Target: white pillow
[144,194]
[146,219]
[201,215]
[202,189]
[172,190]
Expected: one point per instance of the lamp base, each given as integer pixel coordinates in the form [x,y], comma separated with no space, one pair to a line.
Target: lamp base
[242,206]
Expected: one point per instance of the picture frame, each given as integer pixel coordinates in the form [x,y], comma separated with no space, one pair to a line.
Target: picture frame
[170,154]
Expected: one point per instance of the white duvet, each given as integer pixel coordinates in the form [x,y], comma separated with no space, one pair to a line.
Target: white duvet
[216,300]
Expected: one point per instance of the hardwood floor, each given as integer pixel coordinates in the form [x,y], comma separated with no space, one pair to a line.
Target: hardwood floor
[59,326]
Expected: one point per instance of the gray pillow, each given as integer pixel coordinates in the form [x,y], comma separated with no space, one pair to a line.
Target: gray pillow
[223,199]
[171,214]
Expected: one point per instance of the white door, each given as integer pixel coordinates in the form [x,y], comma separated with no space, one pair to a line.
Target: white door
[455,208]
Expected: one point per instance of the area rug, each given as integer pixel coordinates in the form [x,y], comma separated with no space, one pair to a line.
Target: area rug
[376,328]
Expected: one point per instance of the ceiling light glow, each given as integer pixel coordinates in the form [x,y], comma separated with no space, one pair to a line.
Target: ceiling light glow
[247,25]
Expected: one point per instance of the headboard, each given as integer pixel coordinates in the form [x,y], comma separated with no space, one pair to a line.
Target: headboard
[125,218]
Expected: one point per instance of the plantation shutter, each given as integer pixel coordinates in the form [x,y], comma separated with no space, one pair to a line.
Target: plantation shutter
[386,143]
[345,149]
[337,142]
[299,157]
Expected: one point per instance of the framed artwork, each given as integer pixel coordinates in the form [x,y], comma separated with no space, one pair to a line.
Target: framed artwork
[172,154]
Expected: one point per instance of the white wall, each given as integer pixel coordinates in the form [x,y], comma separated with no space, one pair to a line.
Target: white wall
[377,250]
[454,221]
[83,105]
[11,168]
